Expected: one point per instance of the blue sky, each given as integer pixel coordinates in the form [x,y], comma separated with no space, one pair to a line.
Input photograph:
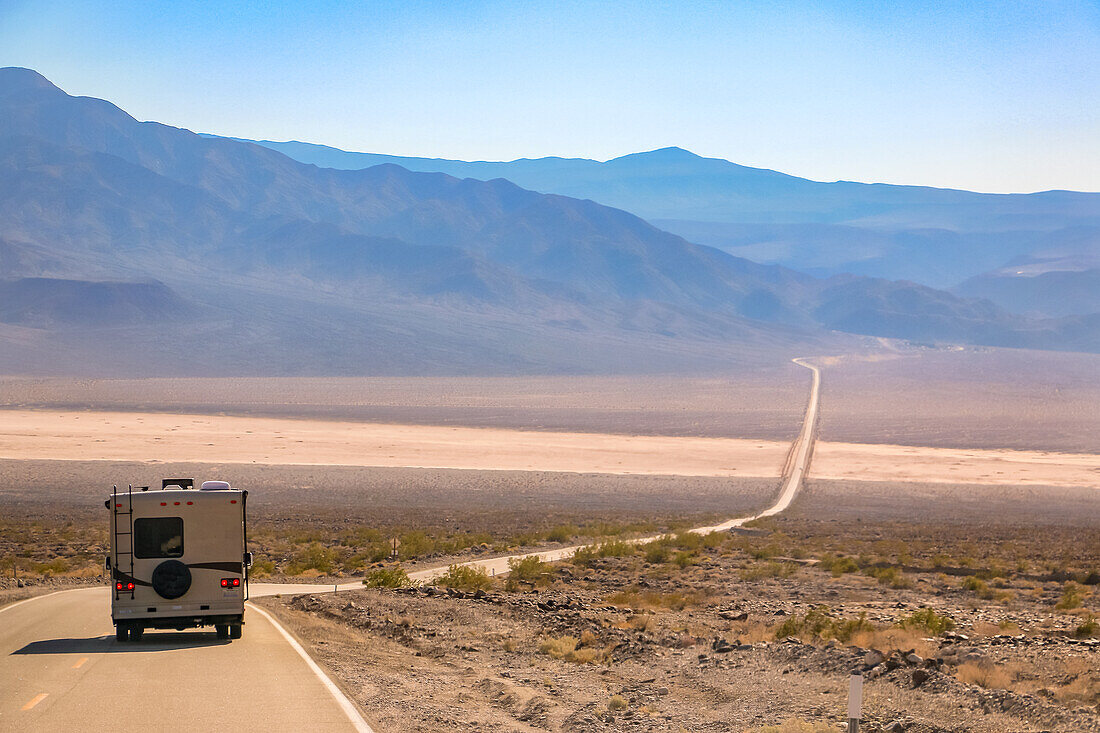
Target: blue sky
[992,96]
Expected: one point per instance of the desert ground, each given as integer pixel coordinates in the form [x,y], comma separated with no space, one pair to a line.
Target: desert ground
[961,482]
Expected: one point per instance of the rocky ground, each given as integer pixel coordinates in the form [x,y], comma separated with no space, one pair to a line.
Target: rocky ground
[739,633]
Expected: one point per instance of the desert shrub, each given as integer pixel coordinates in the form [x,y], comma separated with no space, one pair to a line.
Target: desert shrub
[617,702]
[414,544]
[837,565]
[530,569]
[389,577]
[1088,627]
[687,541]
[562,533]
[927,620]
[979,587]
[764,552]
[314,556]
[685,558]
[890,576]
[656,552]
[1072,597]
[845,629]
[56,566]
[261,568]
[465,577]
[610,548]
[818,624]
[769,570]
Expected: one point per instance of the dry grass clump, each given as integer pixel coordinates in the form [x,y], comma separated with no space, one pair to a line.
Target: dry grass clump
[579,651]
[894,640]
[617,702]
[1081,683]
[985,674]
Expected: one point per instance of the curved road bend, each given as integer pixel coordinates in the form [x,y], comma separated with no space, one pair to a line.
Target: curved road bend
[63,670]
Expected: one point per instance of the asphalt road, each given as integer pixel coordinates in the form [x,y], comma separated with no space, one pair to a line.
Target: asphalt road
[61,668]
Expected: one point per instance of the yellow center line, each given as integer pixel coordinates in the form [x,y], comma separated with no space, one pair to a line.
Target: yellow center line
[37,699]
[80,663]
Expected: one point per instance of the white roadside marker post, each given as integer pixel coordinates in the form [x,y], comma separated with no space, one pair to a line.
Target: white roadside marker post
[855,702]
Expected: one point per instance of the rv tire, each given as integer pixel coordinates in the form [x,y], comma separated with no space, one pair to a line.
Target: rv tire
[136,632]
[235,631]
[122,632]
[222,630]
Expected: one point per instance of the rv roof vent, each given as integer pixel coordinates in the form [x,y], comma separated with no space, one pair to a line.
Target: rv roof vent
[182,483]
[215,486]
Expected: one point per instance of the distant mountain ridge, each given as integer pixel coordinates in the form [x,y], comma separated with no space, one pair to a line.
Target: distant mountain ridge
[935,236]
[266,265]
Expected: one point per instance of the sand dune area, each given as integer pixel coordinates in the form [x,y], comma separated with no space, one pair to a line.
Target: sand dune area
[156,437]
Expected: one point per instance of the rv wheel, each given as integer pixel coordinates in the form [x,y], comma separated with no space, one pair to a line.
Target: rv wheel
[122,633]
[222,630]
[136,632]
[235,631]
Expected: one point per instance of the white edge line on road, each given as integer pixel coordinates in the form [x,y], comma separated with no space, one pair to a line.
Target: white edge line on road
[35,598]
[345,704]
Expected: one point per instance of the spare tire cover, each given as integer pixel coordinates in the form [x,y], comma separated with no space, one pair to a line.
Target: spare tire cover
[171,579]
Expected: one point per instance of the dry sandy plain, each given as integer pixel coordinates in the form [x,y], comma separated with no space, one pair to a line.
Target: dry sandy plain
[171,438]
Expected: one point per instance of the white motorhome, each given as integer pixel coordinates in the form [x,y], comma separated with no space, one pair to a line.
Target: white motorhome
[178,558]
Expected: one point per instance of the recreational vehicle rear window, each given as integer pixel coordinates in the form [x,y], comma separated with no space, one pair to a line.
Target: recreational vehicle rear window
[158,537]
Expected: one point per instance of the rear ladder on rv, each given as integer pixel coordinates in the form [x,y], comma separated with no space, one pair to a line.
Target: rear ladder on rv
[128,513]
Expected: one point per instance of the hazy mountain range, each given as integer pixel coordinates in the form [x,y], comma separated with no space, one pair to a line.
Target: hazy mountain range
[133,247]
[937,237]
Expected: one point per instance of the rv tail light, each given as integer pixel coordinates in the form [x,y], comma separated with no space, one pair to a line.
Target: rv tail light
[129,586]
[225,582]
[118,585]
[236,582]
[231,582]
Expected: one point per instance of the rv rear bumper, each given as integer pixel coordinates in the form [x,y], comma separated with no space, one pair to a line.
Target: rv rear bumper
[182,622]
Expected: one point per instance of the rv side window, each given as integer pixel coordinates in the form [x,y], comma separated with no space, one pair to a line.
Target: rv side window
[158,537]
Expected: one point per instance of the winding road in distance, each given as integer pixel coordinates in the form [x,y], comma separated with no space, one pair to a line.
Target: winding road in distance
[61,668]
